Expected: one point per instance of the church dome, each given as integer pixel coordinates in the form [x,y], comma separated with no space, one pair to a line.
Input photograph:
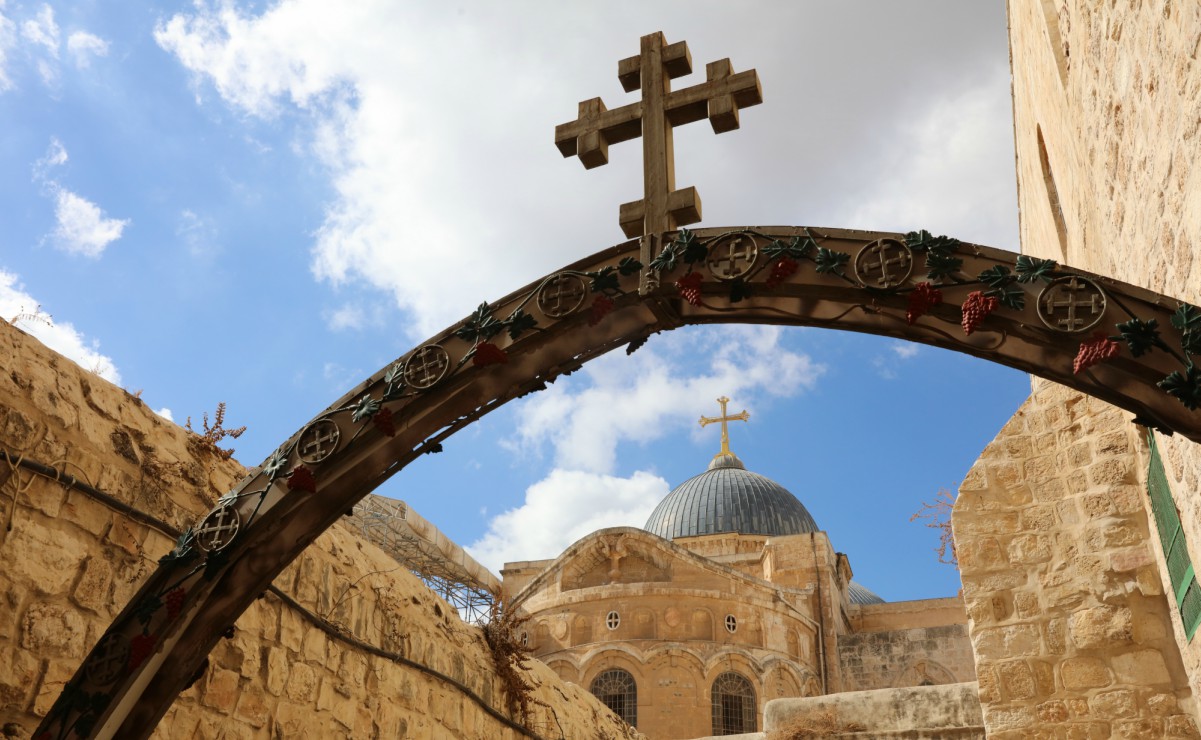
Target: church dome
[729,498]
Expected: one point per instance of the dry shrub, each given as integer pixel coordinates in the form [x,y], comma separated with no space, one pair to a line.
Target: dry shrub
[207,442]
[819,724]
[937,515]
[509,658]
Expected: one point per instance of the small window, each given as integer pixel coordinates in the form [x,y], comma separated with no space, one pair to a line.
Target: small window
[617,691]
[731,623]
[733,705]
[525,639]
[612,620]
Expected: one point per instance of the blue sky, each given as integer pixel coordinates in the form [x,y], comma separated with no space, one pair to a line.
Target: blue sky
[263,203]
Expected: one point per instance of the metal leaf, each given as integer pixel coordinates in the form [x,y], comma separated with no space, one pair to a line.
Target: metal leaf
[830,261]
[479,325]
[365,409]
[666,260]
[996,277]
[1030,269]
[1187,318]
[1012,297]
[739,291]
[941,266]
[1184,386]
[605,281]
[628,266]
[1141,336]
[519,323]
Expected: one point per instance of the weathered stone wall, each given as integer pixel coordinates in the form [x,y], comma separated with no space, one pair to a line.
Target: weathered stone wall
[948,712]
[69,564]
[1067,615]
[1113,90]
[908,657]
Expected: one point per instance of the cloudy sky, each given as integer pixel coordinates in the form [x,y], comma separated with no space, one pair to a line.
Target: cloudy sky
[262,203]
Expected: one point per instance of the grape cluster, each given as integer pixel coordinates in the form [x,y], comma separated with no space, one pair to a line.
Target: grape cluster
[922,299]
[975,308]
[174,601]
[601,306]
[141,647]
[781,271]
[1096,349]
[690,288]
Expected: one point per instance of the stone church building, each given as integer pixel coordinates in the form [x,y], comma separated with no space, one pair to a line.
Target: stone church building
[730,596]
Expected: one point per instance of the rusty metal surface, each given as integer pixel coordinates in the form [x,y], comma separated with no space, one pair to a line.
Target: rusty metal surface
[493,356]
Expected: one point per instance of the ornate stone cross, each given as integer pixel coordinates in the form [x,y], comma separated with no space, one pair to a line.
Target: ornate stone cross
[662,208]
[725,433]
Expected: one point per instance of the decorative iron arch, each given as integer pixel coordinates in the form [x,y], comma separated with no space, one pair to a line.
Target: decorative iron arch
[1030,314]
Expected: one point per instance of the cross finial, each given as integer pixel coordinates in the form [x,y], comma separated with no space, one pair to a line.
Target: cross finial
[725,432]
[662,208]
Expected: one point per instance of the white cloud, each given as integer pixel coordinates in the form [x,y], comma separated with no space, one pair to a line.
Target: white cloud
[166,413]
[82,227]
[8,41]
[42,30]
[561,509]
[25,312]
[198,233]
[83,46]
[643,397]
[348,316]
[905,350]
[654,392]
[56,156]
[945,176]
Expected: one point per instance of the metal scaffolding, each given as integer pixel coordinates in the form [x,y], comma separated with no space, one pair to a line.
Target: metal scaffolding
[429,554]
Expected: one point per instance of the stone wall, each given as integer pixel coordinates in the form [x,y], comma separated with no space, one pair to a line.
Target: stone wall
[907,657]
[1066,611]
[70,563]
[1113,91]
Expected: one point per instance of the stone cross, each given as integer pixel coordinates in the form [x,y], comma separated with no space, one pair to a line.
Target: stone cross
[662,208]
[725,433]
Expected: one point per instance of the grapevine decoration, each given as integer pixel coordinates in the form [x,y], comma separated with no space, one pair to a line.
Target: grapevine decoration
[830,261]
[975,309]
[601,306]
[941,262]
[690,288]
[781,270]
[383,422]
[487,353]
[922,299]
[1093,351]
[302,479]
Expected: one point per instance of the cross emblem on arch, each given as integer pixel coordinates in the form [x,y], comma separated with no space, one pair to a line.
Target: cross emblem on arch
[718,98]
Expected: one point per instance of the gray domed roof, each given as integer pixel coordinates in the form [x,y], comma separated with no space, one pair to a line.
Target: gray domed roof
[860,594]
[729,498]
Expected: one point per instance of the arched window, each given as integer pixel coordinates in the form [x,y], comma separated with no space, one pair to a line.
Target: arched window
[733,705]
[617,690]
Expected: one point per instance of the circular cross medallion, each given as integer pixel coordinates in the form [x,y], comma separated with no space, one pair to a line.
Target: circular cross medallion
[426,366]
[218,529]
[561,295]
[885,263]
[318,441]
[107,662]
[1071,304]
[732,256]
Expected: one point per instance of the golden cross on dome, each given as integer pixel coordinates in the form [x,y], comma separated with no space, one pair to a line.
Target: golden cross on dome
[662,208]
[725,432]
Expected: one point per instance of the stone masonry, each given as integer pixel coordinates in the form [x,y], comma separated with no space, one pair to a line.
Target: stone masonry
[1106,127]
[69,564]
[1067,615]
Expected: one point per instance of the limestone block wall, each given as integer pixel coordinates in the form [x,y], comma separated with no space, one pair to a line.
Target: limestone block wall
[292,668]
[1067,615]
[908,657]
[1106,101]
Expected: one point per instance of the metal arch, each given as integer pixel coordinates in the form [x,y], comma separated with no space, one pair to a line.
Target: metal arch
[785,275]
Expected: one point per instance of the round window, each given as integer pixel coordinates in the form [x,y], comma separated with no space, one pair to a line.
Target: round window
[612,619]
[731,623]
